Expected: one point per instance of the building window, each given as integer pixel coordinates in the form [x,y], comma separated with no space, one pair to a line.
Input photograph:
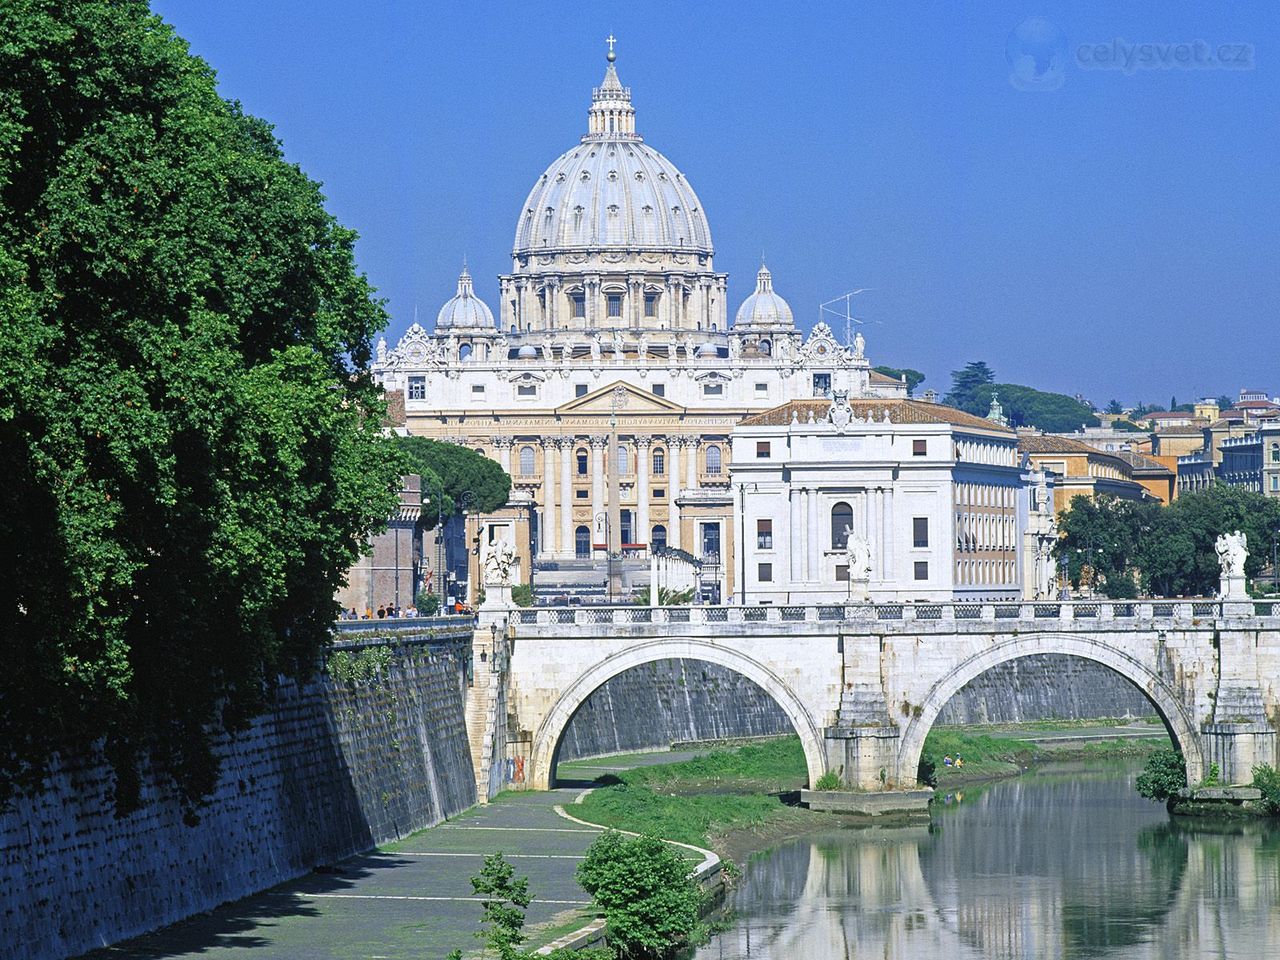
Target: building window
[582,543]
[1275,453]
[919,448]
[526,461]
[713,389]
[658,539]
[614,302]
[579,389]
[714,461]
[659,462]
[762,449]
[578,306]
[650,304]
[582,462]
[711,542]
[842,573]
[659,389]
[762,391]
[660,493]
[922,570]
[526,390]
[765,573]
[477,388]
[417,388]
[1275,483]
[764,534]
[581,494]
[822,384]
[841,522]
[920,531]
[624,461]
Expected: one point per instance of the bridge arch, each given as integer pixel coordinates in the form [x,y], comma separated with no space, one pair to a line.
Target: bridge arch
[546,738]
[1165,699]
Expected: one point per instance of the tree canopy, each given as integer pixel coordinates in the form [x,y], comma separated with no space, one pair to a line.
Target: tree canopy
[913,377]
[1169,550]
[191,440]
[455,475]
[966,387]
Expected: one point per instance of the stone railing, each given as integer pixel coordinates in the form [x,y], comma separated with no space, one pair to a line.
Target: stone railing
[351,631]
[1033,613]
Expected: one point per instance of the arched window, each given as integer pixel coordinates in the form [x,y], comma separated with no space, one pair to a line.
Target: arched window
[765,347]
[526,461]
[582,542]
[624,461]
[714,461]
[582,462]
[841,521]
[659,462]
[464,352]
[1275,453]
[658,538]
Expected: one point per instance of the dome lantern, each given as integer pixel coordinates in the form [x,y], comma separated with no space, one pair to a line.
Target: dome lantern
[611,117]
[764,308]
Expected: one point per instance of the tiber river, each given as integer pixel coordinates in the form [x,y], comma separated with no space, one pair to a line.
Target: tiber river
[1064,862]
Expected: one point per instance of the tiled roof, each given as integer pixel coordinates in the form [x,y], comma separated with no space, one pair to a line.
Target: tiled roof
[1048,443]
[900,411]
[1142,464]
[878,377]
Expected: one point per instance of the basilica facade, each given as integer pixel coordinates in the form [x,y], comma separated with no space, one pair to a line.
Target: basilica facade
[610,378]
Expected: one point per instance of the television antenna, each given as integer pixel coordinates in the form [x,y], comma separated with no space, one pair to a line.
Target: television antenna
[845,314]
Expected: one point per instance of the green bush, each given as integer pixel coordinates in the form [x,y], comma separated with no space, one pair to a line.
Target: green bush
[1164,775]
[522,595]
[828,781]
[1213,777]
[1267,779]
[428,604]
[643,887]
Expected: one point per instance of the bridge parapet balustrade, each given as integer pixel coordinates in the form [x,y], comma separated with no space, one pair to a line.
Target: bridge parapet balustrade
[905,615]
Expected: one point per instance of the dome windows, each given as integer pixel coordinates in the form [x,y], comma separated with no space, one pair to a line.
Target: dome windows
[585,176]
[639,176]
[613,176]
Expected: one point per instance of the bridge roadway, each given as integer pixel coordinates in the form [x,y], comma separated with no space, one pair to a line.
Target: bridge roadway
[863,684]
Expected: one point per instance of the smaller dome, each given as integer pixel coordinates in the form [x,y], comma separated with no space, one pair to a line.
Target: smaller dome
[764,308]
[707,351]
[527,352]
[464,310]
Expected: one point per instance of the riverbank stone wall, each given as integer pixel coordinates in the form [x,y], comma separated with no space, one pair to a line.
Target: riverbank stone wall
[331,769]
[672,701]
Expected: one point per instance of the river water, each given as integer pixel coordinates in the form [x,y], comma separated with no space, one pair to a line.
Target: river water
[1064,862]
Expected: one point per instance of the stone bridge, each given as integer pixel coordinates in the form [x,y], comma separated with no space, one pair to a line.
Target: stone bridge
[862,684]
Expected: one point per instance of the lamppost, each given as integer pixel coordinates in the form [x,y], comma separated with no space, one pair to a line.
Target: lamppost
[742,542]
[602,526]
[1275,551]
[465,502]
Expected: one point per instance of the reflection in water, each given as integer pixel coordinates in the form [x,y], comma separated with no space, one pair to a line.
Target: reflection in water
[1063,863]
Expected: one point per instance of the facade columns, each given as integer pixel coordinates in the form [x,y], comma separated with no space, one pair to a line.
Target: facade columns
[673,472]
[887,525]
[547,530]
[793,537]
[566,496]
[691,463]
[642,533]
[599,444]
[816,539]
[503,445]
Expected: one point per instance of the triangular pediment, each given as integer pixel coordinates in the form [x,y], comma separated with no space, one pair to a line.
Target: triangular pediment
[637,401]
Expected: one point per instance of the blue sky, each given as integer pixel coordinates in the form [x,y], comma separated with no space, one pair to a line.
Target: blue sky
[1112,231]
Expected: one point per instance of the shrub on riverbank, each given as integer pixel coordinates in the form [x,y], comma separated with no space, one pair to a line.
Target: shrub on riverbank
[1267,779]
[1164,775]
[644,888]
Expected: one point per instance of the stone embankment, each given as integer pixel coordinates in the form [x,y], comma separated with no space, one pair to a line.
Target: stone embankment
[331,769]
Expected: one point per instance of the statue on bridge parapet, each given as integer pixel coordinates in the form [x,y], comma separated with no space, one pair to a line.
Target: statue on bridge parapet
[858,556]
[1233,550]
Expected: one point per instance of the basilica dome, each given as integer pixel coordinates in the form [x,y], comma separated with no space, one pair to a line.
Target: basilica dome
[764,308]
[612,190]
[464,310]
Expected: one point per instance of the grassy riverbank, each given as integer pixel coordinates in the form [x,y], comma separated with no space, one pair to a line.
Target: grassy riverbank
[729,800]
[1004,751]
[732,799]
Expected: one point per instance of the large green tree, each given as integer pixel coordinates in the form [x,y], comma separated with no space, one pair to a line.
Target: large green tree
[1170,549]
[966,387]
[454,477]
[913,377]
[191,441]
[1028,407]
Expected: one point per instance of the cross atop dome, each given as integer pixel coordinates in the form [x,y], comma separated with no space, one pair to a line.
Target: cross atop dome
[611,116]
